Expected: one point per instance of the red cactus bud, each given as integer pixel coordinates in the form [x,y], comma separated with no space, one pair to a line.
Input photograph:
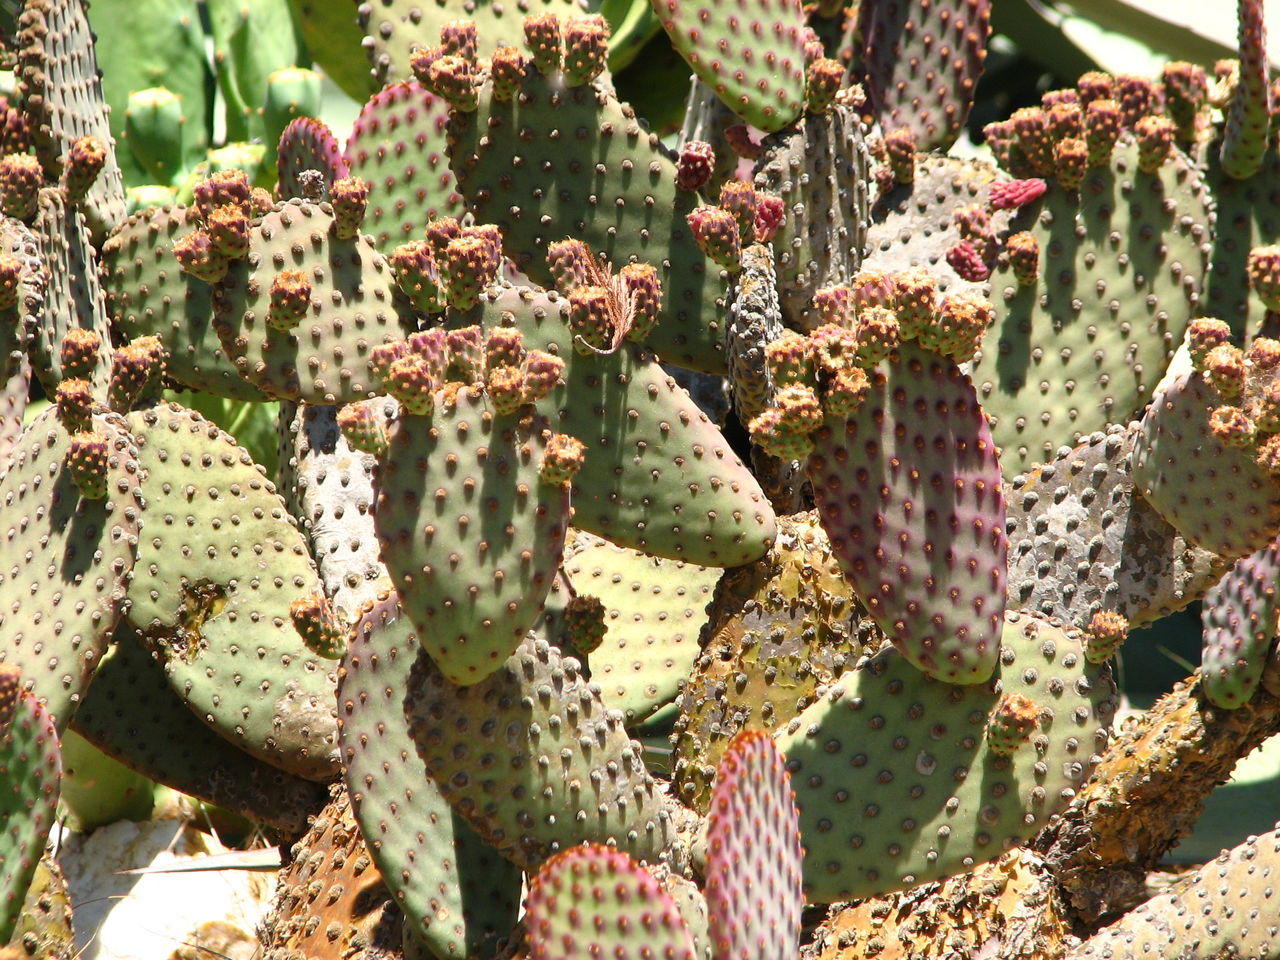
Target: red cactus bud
[1032,139]
[1186,92]
[878,333]
[961,321]
[383,356]
[506,68]
[1015,193]
[974,224]
[15,128]
[88,461]
[716,233]
[1065,120]
[260,202]
[75,404]
[999,137]
[1155,140]
[873,288]
[365,427]
[228,229]
[770,214]
[1230,425]
[1095,85]
[85,159]
[431,346]
[562,459]
[541,373]
[834,304]
[569,261]
[1011,723]
[1105,635]
[195,255]
[798,409]
[697,160]
[642,284]
[453,79]
[834,348]
[542,38]
[290,299]
[590,319]
[505,386]
[458,37]
[769,433]
[822,82]
[1137,98]
[967,262]
[503,347]
[1263,271]
[739,199]
[1263,353]
[420,62]
[1102,123]
[1071,160]
[224,187]
[586,46]
[319,627]
[1024,257]
[917,301]
[465,349]
[1203,335]
[900,154]
[412,381]
[1224,370]
[439,232]
[812,43]
[491,234]
[1269,456]
[135,368]
[470,264]
[350,199]
[1052,98]
[20,180]
[790,359]
[417,276]
[739,139]
[11,271]
[79,353]
[845,391]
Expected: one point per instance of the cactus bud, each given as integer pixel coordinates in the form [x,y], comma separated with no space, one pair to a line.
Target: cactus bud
[1012,194]
[873,288]
[542,38]
[569,261]
[135,367]
[85,159]
[1224,370]
[1232,426]
[697,160]
[453,79]
[290,299]
[20,181]
[1033,141]
[1011,723]
[1066,120]
[541,373]
[716,233]
[590,319]
[1155,140]
[1186,94]
[917,301]
[439,232]
[75,404]
[1071,160]
[900,154]
[224,187]
[775,438]
[88,462]
[642,284]
[1105,635]
[878,333]
[383,356]
[364,426]
[465,350]
[966,261]
[1263,270]
[1263,353]
[503,347]
[1102,124]
[11,270]
[1136,97]
[421,60]
[458,37]
[506,69]
[1024,257]
[469,265]
[350,199]
[739,199]
[1203,335]
[1269,456]
[196,255]
[822,83]
[1095,85]
[505,386]
[834,304]
[431,346]
[961,321]
[417,277]
[412,381]
[79,354]
[317,623]
[562,459]
[584,625]
[586,46]
[770,214]
[790,359]
[845,391]
[228,229]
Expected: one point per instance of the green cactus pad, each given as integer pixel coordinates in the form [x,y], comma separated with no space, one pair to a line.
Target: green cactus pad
[148,295]
[658,476]
[1088,343]
[1240,627]
[1215,494]
[819,167]
[470,534]
[654,609]
[750,53]
[897,785]
[780,629]
[394,27]
[61,91]
[534,759]
[397,145]
[924,547]
[615,191]
[66,560]
[73,295]
[1082,505]
[1224,909]
[218,566]
[457,894]
[594,901]
[922,62]
[355,306]
[333,497]
[754,897]
[30,772]
[130,713]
